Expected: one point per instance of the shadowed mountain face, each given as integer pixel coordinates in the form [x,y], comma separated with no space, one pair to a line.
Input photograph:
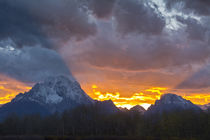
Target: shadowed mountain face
[55,94]
[171,102]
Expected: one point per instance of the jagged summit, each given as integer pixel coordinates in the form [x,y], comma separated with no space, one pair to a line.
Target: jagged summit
[171,102]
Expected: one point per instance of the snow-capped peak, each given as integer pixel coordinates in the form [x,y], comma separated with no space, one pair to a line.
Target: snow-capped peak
[54,90]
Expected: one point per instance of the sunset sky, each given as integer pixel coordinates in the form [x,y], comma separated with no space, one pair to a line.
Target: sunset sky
[130,51]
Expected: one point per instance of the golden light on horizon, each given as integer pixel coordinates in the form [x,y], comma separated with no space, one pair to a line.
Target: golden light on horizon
[9,88]
[144,98]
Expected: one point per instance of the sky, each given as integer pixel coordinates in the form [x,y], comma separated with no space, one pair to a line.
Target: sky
[130,51]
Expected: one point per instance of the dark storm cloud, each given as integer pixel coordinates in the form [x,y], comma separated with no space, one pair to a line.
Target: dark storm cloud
[201,7]
[195,30]
[31,64]
[134,16]
[101,8]
[43,22]
[51,22]
[18,24]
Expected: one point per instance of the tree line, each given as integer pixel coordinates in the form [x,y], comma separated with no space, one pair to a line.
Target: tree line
[89,121]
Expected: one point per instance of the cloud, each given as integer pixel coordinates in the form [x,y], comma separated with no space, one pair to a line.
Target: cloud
[30,64]
[140,60]
[19,25]
[201,7]
[102,8]
[45,22]
[195,30]
[199,80]
[141,53]
[102,38]
[133,16]
[32,31]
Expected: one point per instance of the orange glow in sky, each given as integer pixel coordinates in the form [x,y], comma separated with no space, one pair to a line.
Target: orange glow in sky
[198,98]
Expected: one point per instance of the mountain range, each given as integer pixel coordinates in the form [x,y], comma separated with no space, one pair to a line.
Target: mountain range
[56,94]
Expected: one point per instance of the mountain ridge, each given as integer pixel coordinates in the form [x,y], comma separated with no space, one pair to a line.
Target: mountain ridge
[60,93]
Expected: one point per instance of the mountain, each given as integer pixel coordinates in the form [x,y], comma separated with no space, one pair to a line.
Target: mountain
[169,103]
[54,94]
[138,109]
